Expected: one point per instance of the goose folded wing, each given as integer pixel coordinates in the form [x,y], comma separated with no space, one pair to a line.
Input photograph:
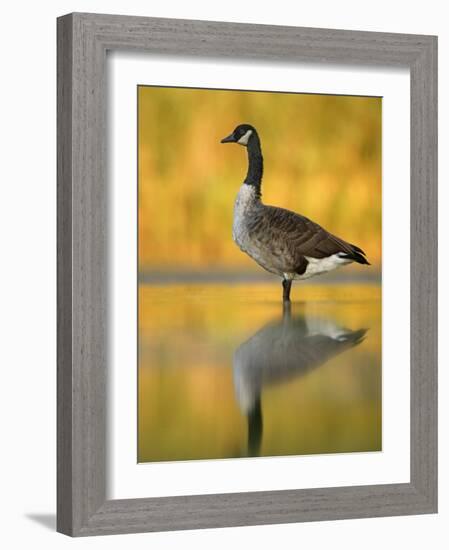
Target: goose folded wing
[302,238]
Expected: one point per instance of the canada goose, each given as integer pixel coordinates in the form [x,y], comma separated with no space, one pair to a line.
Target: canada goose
[281,351]
[281,241]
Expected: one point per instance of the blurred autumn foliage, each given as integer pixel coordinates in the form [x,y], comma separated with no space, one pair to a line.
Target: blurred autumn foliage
[322,159]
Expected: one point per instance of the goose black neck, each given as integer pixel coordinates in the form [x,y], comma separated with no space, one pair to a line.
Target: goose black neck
[255,164]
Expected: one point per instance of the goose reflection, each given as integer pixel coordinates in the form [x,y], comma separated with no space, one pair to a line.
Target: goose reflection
[281,351]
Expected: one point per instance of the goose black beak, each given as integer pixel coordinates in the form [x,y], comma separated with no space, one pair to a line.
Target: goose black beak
[228,139]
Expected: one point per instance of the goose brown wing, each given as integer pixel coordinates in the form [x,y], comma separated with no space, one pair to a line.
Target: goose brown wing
[300,237]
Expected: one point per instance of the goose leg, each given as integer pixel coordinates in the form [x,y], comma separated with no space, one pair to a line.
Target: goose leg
[286,285]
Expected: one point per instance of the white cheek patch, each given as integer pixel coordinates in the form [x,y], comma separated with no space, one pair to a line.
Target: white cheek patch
[244,139]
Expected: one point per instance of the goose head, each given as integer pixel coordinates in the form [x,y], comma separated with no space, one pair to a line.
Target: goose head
[242,135]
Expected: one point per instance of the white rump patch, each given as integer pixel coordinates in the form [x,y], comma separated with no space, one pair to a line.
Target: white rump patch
[244,139]
[317,266]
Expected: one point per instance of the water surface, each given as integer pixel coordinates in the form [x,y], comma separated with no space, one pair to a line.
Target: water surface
[225,371]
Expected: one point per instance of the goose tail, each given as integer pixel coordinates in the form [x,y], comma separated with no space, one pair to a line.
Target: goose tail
[356,254]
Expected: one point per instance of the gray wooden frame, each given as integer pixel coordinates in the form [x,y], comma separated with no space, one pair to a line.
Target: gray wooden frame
[83,40]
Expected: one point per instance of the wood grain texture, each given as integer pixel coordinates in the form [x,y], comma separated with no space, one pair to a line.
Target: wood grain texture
[64,278]
[83,40]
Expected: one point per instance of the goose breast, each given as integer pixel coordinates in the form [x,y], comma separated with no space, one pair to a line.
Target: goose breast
[251,232]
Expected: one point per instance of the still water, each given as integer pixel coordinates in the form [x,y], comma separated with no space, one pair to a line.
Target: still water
[225,371]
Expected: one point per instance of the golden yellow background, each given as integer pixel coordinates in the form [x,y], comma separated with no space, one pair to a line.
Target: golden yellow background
[322,159]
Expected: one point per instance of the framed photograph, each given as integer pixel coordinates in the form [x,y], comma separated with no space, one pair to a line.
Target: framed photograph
[247,274]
